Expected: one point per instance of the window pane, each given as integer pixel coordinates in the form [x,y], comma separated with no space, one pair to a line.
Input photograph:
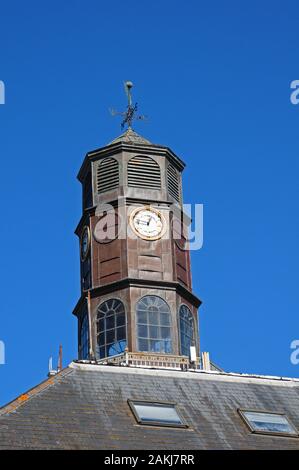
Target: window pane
[153,332]
[167,346]
[157,346]
[102,352]
[143,344]
[164,319]
[269,422]
[110,336]
[101,339]
[142,317]
[155,413]
[120,319]
[101,325]
[165,332]
[142,331]
[153,318]
[116,348]
[120,333]
[110,322]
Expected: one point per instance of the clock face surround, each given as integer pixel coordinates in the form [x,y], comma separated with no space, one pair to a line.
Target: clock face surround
[85,243]
[148,223]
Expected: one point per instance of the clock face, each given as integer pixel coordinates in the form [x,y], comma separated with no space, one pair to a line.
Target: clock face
[148,223]
[85,243]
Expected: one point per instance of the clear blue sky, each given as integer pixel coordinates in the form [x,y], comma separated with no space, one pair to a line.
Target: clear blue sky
[214,78]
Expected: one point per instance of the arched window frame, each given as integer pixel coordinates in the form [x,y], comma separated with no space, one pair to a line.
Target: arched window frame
[183,351]
[160,325]
[103,343]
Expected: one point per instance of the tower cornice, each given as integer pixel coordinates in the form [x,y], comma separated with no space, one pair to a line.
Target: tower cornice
[131,282]
[141,149]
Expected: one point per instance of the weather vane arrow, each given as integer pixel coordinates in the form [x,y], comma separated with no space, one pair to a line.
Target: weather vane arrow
[131,113]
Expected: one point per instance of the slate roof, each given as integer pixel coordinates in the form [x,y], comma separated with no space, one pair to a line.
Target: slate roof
[85,407]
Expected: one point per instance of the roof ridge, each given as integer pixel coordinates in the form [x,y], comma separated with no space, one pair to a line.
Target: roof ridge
[24,397]
[78,364]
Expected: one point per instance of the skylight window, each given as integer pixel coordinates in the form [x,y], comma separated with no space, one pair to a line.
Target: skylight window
[268,423]
[156,414]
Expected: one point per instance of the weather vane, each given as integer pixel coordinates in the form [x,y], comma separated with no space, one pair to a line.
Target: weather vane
[130,114]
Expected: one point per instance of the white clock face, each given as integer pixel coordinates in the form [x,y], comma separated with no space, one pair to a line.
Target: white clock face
[148,223]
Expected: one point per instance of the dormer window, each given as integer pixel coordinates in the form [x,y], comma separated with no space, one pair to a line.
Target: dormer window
[156,414]
[264,422]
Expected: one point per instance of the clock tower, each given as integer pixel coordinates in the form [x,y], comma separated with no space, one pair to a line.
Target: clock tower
[136,303]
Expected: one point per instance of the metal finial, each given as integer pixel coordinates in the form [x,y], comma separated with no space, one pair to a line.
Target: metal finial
[128,87]
[130,114]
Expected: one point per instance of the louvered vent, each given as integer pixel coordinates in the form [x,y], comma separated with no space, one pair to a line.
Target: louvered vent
[107,175]
[173,183]
[144,172]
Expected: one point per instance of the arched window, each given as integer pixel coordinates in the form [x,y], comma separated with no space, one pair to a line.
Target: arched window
[111,328]
[144,172]
[186,330]
[153,325]
[84,338]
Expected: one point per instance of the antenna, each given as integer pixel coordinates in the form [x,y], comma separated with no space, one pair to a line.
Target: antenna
[59,368]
